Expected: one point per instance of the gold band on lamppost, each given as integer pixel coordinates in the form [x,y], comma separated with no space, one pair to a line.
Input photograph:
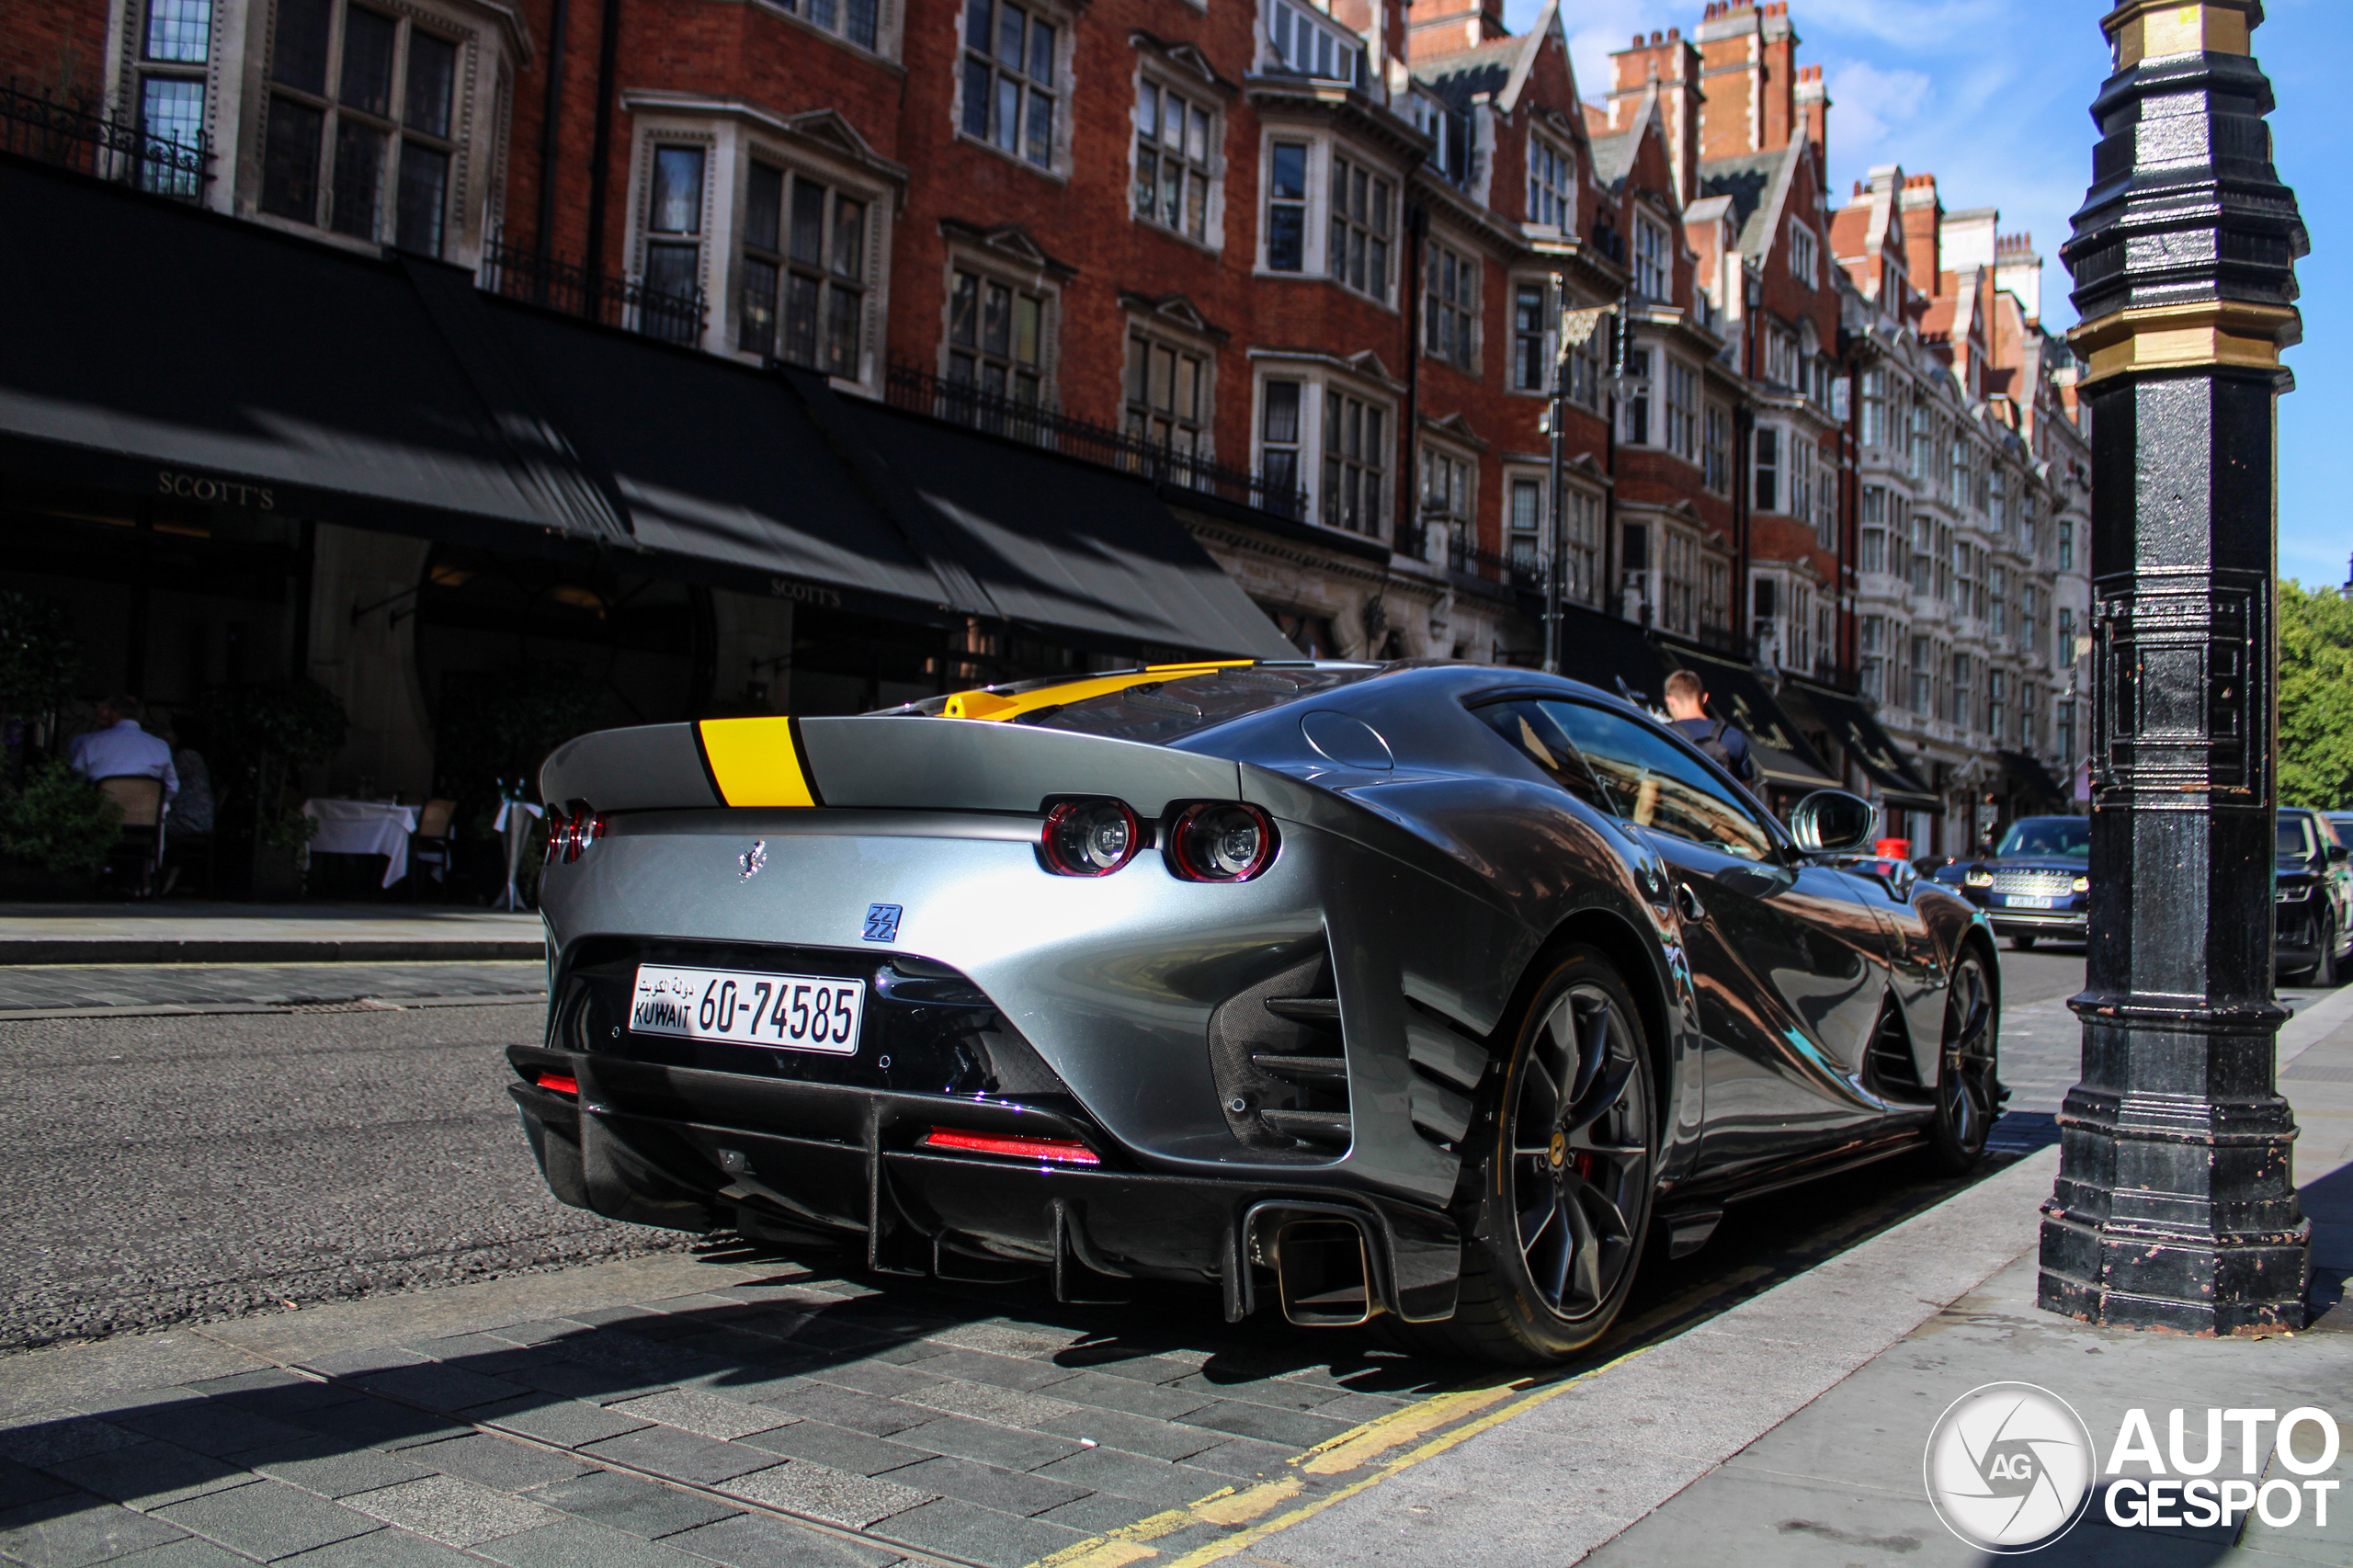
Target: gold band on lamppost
[2150,30]
[2204,333]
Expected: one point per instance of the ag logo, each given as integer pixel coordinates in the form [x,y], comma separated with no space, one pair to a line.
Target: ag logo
[2009,1467]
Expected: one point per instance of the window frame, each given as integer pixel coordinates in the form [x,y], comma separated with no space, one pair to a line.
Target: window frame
[1201,176]
[1805,254]
[1654,258]
[1680,399]
[1557,195]
[1450,322]
[1307,456]
[1017,287]
[1055,88]
[1460,471]
[1190,437]
[830,282]
[836,23]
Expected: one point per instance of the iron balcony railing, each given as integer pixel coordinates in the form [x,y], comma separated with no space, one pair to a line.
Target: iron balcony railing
[1041,425]
[86,139]
[628,303]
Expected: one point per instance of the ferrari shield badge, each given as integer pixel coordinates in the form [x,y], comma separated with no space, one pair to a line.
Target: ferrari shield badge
[752,859]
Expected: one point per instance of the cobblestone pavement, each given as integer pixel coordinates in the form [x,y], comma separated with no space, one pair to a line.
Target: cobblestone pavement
[167,987]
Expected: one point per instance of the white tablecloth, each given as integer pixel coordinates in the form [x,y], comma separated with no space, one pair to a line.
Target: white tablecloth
[364,828]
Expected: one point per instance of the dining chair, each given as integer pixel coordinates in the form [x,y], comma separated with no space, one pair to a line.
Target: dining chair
[431,844]
[141,796]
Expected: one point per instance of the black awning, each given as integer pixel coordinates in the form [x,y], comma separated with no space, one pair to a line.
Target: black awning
[2031,778]
[1057,543]
[1613,655]
[1859,736]
[1737,692]
[158,349]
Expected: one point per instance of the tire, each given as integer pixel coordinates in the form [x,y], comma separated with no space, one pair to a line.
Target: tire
[1570,1133]
[2324,972]
[2023,941]
[1969,1086]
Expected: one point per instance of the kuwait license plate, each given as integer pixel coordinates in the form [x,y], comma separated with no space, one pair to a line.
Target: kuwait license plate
[2029,901]
[785,1012]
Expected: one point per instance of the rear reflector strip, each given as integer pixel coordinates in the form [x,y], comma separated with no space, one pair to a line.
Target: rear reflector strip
[559,1083]
[1054,1150]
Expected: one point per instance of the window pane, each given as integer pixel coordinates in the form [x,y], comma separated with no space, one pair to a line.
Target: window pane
[849,238]
[432,79]
[1282,412]
[822,13]
[358,178]
[1008,36]
[1536,735]
[808,244]
[423,190]
[1147,110]
[1164,379]
[298,54]
[964,310]
[1147,183]
[757,330]
[862,21]
[670,271]
[764,206]
[1026,318]
[1042,53]
[1188,388]
[996,320]
[677,190]
[978,78]
[1041,130]
[1198,215]
[1286,238]
[368,61]
[841,331]
[801,319]
[1008,113]
[1197,144]
[289,161]
[1288,172]
[179,29]
[1139,361]
[1172,191]
[172,110]
[976,24]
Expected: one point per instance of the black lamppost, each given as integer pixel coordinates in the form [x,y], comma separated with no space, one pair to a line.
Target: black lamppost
[2176,1207]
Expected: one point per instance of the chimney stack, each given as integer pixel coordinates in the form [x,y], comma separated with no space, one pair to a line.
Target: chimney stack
[1813,116]
[1451,26]
[1748,54]
[1671,63]
[1923,216]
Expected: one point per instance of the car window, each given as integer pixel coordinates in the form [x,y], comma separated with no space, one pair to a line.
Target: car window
[1653,783]
[2295,836]
[1537,736]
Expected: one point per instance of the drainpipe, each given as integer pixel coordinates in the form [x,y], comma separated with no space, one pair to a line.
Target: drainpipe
[601,143]
[551,119]
[1417,228]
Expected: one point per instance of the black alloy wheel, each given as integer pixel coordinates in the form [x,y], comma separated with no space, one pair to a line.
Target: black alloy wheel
[1568,1152]
[1968,1087]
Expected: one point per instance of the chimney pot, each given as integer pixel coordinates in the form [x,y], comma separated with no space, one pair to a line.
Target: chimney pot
[1656,40]
[1673,34]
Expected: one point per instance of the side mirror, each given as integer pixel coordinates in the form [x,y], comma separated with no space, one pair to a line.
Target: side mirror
[1831,822]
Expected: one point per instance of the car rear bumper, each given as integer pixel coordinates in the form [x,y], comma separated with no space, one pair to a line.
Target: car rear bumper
[695,1150]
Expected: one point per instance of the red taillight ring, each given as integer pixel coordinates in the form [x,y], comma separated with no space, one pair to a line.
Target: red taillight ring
[1048,837]
[569,837]
[559,1083]
[1181,858]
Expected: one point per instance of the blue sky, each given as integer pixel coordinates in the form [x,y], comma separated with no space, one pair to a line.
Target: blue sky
[1993,96]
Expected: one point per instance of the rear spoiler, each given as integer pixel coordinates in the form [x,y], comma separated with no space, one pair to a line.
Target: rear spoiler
[872,762]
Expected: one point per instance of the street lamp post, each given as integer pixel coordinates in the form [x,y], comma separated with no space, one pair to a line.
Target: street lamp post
[2176,1206]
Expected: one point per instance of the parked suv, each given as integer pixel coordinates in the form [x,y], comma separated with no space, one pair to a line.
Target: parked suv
[2313,897]
[2035,884]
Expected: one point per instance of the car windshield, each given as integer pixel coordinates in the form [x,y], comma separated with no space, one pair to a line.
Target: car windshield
[2068,838]
[2295,837]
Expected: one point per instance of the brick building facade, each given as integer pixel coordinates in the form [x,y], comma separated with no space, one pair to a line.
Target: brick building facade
[1305,260]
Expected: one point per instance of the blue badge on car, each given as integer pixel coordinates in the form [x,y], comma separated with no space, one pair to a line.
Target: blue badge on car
[883,922]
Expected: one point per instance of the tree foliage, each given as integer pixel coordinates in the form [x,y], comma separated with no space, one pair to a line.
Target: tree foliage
[58,821]
[39,660]
[2315,698]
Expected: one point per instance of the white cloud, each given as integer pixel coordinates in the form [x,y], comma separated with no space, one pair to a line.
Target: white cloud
[1867,102]
[1911,25]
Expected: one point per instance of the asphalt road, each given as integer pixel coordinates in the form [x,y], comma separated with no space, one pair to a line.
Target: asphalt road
[155,1170]
[169,1169]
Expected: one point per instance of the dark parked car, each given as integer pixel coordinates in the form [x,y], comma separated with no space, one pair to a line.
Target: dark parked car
[2314,896]
[1438,992]
[2035,883]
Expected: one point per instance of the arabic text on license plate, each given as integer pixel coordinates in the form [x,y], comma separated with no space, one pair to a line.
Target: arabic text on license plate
[2029,901]
[787,1012]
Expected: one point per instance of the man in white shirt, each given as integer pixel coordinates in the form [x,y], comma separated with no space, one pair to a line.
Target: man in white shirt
[120,748]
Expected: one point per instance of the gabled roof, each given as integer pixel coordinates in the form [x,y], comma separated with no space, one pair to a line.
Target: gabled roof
[1613,157]
[1758,184]
[1501,67]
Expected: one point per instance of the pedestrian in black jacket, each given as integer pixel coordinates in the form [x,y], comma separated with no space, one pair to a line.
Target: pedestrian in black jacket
[1721,739]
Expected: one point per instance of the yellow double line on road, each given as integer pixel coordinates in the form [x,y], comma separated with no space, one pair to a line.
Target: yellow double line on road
[1331,1472]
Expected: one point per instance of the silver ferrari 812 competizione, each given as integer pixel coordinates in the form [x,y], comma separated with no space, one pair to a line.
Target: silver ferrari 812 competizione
[1429,991]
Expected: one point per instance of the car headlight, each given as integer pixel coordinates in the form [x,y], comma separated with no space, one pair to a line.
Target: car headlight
[1980,878]
[2081,884]
[2295,894]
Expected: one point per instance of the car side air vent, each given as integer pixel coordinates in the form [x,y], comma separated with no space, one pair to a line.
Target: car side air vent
[1446,1070]
[1888,1068]
[1283,1073]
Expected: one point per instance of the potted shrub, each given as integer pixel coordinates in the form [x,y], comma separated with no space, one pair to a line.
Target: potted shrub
[55,829]
[261,736]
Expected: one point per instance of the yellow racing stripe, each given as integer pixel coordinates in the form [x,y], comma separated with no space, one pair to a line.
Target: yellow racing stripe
[981,703]
[757,762]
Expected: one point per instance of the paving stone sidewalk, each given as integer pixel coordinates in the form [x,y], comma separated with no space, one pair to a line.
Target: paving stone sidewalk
[779,1416]
[189,987]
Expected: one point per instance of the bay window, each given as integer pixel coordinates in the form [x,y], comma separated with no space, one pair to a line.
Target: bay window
[804,267]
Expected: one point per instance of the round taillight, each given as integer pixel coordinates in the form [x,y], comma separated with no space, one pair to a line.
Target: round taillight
[1090,838]
[1222,843]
